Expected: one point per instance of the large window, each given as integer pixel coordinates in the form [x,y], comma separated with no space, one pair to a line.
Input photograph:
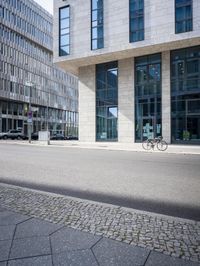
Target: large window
[107,101]
[97,32]
[64,31]
[185,95]
[183,15]
[136,10]
[148,97]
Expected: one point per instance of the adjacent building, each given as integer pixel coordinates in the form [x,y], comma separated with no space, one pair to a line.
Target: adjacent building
[31,86]
[138,64]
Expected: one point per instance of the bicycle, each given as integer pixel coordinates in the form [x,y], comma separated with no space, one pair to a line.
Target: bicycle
[158,142]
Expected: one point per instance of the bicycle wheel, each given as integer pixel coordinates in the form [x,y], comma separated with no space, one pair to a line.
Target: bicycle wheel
[146,145]
[162,145]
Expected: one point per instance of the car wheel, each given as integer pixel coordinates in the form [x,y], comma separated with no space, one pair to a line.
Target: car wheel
[5,137]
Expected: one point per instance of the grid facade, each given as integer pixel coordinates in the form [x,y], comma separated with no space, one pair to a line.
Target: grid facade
[26,56]
[156,47]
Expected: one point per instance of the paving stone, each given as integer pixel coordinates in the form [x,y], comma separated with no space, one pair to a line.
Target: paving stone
[159,259]
[11,218]
[3,263]
[27,247]
[113,253]
[35,261]
[2,210]
[69,239]
[35,227]
[174,236]
[6,232]
[75,258]
[4,249]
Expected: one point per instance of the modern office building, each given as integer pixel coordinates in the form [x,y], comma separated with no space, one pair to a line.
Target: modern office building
[28,75]
[138,64]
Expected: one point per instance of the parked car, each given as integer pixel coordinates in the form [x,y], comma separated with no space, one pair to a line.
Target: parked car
[70,137]
[13,134]
[34,136]
[57,136]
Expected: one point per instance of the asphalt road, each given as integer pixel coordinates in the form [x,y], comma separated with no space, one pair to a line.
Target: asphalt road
[158,182]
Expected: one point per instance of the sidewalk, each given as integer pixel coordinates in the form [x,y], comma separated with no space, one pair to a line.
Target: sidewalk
[43,229]
[136,147]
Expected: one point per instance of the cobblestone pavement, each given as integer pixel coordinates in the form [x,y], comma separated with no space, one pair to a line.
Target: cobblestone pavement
[168,235]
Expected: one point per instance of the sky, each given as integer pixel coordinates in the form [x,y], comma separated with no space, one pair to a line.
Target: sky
[47,4]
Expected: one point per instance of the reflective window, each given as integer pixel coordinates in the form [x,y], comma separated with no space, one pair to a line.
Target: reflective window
[107,101]
[148,97]
[97,32]
[136,14]
[64,31]
[183,15]
[185,95]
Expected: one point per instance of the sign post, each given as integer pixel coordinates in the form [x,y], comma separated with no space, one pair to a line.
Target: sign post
[30,115]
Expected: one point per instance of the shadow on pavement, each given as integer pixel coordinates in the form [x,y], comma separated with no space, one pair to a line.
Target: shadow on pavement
[165,208]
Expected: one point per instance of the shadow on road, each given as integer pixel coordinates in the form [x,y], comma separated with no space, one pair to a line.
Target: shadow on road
[182,211]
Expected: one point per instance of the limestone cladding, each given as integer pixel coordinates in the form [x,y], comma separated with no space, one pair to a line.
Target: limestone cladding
[160,37]
[159,32]
[166,97]
[87,103]
[126,101]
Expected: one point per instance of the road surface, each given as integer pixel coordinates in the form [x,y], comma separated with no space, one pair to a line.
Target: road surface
[157,182]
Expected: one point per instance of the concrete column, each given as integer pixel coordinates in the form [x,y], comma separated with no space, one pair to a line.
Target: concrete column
[0,116]
[166,97]
[126,101]
[87,103]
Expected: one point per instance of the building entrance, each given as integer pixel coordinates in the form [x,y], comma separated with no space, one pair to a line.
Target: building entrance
[148,97]
[185,95]
[147,128]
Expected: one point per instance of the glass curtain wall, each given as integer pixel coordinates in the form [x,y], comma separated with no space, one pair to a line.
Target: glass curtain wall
[148,97]
[185,95]
[107,101]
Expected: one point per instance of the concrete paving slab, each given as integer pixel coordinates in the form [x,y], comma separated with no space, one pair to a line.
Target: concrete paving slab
[30,247]
[11,218]
[112,253]
[75,258]
[4,249]
[35,227]
[3,263]
[36,261]
[159,259]
[69,239]
[6,232]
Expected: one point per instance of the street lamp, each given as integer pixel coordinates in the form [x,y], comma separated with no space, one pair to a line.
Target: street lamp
[47,126]
[30,116]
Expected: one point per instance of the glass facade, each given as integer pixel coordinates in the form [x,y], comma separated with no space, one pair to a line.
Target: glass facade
[183,15]
[30,18]
[136,14]
[185,95]
[14,116]
[26,55]
[97,31]
[148,97]
[107,101]
[64,29]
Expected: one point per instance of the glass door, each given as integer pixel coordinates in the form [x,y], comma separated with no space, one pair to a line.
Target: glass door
[147,128]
